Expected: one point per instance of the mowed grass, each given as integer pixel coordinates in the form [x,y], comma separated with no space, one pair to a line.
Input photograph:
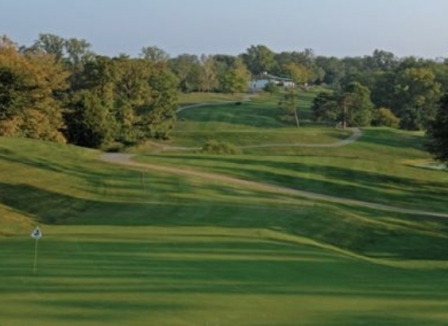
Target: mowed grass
[205,276]
[128,246]
[252,123]
[382,167]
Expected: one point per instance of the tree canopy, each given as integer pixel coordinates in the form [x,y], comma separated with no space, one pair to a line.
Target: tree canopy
[58,89]
[437,132]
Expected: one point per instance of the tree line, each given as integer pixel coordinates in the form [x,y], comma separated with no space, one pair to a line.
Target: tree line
[60,90]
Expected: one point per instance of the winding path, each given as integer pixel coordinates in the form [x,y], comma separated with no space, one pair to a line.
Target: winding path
[126,159]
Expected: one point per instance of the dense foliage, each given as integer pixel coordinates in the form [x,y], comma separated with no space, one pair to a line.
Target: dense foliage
[57,89]
[437,132]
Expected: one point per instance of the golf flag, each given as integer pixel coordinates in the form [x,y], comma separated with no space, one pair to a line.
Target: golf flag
[37,233]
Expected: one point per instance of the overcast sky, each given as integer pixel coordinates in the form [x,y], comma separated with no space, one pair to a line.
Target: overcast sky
[329,27]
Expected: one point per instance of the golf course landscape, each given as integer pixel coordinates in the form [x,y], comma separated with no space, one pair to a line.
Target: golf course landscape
[314,225]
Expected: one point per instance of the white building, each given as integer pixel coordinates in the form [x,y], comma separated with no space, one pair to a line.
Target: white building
[260,83]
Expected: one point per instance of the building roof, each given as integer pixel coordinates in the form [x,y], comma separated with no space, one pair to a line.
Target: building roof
[272,77]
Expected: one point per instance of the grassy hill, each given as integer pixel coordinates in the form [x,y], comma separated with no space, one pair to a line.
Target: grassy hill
[137,246]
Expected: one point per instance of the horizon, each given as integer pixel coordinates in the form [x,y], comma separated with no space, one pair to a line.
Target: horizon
[340,29]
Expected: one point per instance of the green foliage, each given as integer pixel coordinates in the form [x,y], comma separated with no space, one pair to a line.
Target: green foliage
[385,117]
[411,92]
[235,79]
[356,106]
[259,59]
[188,71]
[218,147]
[28,84]
[299,73]
[154,54]
[325,107]
[160,113]
[352,106]
[89,122]
[289,105]
[437,132]
[271,88]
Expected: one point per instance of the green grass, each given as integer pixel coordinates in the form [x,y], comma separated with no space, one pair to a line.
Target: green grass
[126,246]
[251,123]
[378,168]
[205,276]
[194,98]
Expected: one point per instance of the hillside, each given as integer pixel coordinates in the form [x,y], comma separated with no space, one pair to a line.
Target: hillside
[193,239]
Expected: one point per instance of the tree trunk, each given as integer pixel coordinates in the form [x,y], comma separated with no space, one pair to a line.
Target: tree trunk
[297,118]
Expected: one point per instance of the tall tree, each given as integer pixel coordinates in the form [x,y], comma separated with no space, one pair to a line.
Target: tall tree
[416,96]
[209,76]
[159,116]
[259,59]
[154,54]
[235,79]
[90,122]
[437,132]
[299,73]
[350,107]
[289,105]
[186,67]
[51,44]
[28,83]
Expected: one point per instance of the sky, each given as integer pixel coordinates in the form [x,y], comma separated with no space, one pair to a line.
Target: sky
[330,27]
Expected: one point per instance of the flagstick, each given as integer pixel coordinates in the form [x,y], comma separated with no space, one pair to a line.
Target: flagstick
[35,256]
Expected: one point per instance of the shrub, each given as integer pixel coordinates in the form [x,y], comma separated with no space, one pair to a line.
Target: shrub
[385,117]
[217,147]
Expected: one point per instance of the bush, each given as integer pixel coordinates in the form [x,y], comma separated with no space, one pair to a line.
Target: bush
[385,117]
[217,147]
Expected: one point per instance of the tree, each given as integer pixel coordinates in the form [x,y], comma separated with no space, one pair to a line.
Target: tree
[417,93]
[299,73]
[78,51]
[154,54]
[350,107]
[437,132]
[271,88]
[51,44]
[259,59]
[288,104]
[385,117]
[159,116]
[333,70]
[235,79]
[28,83]
[324,107]
[355,105]
[186,67]
[90,122]
[209,76]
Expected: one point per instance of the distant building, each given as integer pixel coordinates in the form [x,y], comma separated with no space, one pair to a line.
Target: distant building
[261,81]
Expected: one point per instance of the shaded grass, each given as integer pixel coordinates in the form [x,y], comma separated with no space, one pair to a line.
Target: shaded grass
[250,137]
[194,98]
[368,170]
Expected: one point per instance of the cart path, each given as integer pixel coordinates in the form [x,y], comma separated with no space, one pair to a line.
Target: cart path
[126,160]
